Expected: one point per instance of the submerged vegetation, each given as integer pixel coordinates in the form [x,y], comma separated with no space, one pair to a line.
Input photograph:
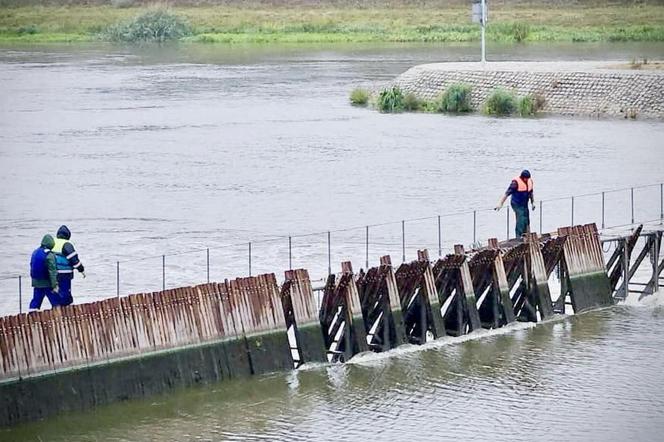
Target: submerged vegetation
[322,23]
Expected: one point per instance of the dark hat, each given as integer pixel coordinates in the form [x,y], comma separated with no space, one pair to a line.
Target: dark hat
[63,232]
[525,173]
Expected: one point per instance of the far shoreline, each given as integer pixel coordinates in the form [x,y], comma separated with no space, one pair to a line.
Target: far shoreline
[235,24]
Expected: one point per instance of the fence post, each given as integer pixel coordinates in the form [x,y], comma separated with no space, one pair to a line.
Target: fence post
[403,240]
[572,211]
[366,255]
[207,259]
[329,254]
[117,278]
[250,258]
[440,239]
[163,273]
[661,203]
[507,217]
[602,210]
[20,295]
[540,211]
[290,255]
[474,227]
[625,268]
[632,201]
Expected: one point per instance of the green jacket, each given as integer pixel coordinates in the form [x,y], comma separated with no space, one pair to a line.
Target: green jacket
[52,282]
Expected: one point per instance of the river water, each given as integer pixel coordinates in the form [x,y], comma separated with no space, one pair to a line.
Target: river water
[146,152]
[596,376]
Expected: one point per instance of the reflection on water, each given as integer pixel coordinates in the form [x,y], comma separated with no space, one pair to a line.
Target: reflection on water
[590,377]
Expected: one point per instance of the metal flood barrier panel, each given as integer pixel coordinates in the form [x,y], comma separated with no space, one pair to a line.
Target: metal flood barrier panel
[80,356]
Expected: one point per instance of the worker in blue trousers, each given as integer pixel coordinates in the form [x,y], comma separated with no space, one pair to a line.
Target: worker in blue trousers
[520,191]
[44,274]
[67,261]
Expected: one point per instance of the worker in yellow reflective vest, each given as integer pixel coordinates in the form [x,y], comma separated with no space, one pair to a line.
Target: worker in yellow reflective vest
[520,191]
[67,260]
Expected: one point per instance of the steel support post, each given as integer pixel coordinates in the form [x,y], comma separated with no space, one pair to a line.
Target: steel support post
[625,268]
[632,203]
[117,278]
[290,254]
[366,250]
[603,210]
[540,213]
[207,264]
[572,211]
[474,227]
[163,272]
[403,241]
[20,295]
[440,239]
[249,258]
[329,254]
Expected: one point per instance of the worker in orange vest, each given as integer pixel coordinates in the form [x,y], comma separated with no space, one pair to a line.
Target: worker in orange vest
[521,191]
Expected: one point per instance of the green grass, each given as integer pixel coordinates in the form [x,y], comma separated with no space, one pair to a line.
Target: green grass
[359,97]
[526,106]
[325,24]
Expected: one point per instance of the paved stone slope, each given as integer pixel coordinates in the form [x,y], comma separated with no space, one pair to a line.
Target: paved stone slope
[578,88]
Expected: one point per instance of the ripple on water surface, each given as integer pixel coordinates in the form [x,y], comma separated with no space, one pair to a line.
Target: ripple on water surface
[594,376]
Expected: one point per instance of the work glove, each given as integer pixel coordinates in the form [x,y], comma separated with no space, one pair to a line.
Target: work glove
[83,275]
[533,206]
[497,208]
[56,289]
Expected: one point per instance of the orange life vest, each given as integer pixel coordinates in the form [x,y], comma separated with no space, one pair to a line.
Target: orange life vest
[524,186]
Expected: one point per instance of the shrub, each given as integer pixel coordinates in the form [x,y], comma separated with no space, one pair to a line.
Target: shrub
[391,100]
[30,29]
[156,25]
[456,98]
[526,106]
[500,102]
[411,102]
[359,97]
[520,31]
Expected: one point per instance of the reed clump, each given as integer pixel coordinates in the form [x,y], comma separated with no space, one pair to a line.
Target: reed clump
[359,97]
[391,100]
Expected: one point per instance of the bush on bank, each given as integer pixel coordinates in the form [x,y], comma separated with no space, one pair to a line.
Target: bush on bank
[456,98]
[391,100]
[156,25]
[500,103]
[359,97]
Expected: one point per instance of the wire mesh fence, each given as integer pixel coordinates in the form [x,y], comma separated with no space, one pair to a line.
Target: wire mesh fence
[322,252]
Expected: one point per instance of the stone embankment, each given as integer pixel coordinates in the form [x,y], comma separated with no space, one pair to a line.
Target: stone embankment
[595,89]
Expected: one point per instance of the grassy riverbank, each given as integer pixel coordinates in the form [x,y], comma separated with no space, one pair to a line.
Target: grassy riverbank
[317,24]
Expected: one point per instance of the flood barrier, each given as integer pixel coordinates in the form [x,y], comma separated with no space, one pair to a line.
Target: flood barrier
[81,356]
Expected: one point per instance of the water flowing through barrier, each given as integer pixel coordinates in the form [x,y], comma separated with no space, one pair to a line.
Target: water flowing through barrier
[147,343]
